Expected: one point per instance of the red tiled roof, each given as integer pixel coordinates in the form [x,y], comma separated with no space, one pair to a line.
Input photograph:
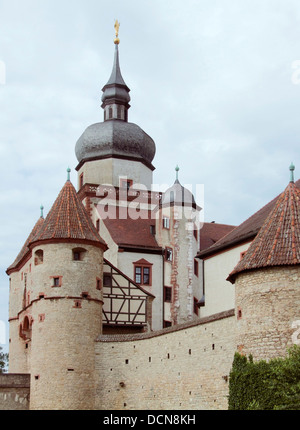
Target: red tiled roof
[132,233]
[25,251]
[244,232]
[278,241]
[210,233]
[68,220]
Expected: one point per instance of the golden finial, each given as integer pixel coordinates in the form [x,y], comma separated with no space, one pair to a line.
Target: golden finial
[117,28]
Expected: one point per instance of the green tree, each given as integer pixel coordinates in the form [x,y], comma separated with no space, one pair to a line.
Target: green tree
[265,386]
[3,360]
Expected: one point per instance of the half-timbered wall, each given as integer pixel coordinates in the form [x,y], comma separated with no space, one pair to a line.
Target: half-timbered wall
[126,304]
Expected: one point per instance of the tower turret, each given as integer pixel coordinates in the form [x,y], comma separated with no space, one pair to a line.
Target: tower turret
[267,286]
[177,226]
[61,315]
[115,150]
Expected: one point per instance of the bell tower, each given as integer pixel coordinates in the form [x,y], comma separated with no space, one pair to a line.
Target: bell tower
[115,151]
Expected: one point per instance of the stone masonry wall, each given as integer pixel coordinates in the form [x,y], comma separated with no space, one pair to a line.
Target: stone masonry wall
[14,392]
[268,311]
[186,367]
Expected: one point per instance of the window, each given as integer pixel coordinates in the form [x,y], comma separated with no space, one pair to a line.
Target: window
[166,222]
[126,183]
[56,281]
[168,294]
[143,272]
[146,276]
[119,112]
[138,275]
[77,304]
[167,324]
[169,254]
[81,181]
[78,254]
[195,232]
[107,280]
[110,113]
[98,225]
[242,255]
[142,275]
[98,284]
[196,309]
[196,268]
[38,257]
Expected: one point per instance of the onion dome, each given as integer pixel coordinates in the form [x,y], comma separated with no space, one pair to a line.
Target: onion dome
[278,241]
[115,137]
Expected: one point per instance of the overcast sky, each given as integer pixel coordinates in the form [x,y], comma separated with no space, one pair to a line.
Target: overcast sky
[215,83]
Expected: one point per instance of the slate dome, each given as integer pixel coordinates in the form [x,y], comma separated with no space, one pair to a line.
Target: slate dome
[115,138]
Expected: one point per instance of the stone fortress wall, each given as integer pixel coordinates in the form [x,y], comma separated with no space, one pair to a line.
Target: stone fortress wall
[181,368]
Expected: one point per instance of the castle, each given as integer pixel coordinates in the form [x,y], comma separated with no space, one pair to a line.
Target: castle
[121,299]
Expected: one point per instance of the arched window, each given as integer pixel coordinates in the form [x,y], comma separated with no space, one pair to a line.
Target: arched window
[119,112]
[38,257]
[79,254]
[26,328]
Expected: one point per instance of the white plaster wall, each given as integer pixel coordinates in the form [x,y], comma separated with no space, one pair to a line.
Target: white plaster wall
[125,264]
[219,293]
[110,170]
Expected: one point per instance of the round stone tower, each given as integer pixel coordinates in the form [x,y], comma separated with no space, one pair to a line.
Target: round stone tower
[62,316]
[267,282]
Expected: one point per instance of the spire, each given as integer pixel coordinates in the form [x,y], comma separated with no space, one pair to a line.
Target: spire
[69,173]
[42,211]
[177,174]
[116,98]
[68,220]
[292,169]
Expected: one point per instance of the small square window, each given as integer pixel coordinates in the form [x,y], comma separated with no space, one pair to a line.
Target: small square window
[56,281]
[107,280]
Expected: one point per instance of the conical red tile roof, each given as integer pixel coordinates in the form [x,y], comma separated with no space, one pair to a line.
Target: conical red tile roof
[278,241]
[25,251]
[68,220]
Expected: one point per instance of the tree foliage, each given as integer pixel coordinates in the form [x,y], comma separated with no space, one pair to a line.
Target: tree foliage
[265,385]
[3,360]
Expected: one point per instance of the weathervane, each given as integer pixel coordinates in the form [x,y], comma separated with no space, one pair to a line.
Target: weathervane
[117,28]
